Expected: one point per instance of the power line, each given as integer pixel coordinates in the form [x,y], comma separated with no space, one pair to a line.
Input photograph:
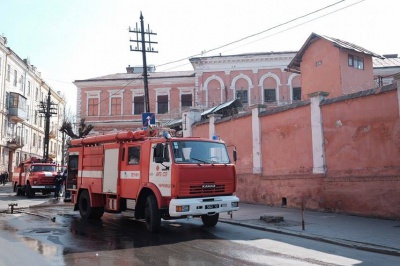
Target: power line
[298,25]
[255,34]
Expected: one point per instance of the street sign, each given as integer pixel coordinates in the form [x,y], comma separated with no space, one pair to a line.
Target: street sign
[148,119]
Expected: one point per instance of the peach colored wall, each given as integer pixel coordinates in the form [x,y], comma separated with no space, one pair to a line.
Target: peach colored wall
[200,130]
[362,157]
[324,77]
[353,79]
[237,133]
[362,136]
[286,142]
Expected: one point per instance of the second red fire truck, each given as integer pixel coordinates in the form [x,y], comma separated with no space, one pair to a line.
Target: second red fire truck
[151,177]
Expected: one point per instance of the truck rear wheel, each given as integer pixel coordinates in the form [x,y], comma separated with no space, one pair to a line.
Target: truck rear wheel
[97,213]
[84,205]
[152,214]
[210,220]
[30,193]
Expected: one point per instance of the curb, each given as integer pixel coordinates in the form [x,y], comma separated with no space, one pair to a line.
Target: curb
[341,242]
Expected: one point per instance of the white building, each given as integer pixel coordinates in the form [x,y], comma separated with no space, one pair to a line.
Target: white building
[22,123]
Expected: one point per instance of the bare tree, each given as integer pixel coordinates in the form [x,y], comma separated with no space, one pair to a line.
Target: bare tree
[83,129]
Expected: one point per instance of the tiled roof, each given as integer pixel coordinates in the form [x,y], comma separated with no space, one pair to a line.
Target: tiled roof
[295,63]
[153,75]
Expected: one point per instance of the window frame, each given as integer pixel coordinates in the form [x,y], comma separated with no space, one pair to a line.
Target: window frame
[266,94]
[356,62]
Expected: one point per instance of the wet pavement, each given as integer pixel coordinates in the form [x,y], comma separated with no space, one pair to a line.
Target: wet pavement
[376,235]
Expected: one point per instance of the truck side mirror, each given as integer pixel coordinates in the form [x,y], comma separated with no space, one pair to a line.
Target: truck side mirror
[235,155]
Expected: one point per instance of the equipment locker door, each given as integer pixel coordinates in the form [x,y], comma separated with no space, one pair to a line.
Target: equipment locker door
[111,166]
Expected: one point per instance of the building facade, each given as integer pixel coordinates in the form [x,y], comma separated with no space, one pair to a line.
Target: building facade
[22,124]
[116,102]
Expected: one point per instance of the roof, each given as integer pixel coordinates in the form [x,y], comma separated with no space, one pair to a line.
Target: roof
[295,63]
[386,62]
[226,109]
[153,75]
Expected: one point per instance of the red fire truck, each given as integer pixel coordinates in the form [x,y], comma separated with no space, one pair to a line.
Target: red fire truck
[151,177]
[34,175]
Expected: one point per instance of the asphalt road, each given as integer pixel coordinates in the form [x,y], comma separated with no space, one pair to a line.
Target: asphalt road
[55,235]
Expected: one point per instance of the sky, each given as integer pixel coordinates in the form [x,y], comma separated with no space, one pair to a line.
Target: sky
[71,40]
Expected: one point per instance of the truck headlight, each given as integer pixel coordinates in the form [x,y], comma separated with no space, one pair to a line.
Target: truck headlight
[184,208]
[235,204]
[34,182]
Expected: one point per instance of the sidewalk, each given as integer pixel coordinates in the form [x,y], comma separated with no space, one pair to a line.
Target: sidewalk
[7,196]
[377,235]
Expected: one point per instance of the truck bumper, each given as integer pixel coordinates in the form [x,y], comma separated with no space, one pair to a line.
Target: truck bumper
[201,206]
[47,187]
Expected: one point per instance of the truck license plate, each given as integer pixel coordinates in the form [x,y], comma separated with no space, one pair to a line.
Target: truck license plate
[212,206]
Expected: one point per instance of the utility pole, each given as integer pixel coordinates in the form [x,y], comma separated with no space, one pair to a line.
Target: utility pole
[63,144]
[141,46]
[47,109]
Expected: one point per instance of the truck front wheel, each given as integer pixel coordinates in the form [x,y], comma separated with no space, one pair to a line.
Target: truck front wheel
[210,220]
[30,193]
[152,214]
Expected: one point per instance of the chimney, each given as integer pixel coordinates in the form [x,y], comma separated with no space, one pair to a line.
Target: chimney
[129,69]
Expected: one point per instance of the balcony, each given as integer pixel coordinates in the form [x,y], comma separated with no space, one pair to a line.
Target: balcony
[16,115]
[15,143]
[16,104]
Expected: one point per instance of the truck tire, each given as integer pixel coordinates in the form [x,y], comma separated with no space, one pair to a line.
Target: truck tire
[152,214]
[84,205]
[210,220]
[30,193]
[97,213]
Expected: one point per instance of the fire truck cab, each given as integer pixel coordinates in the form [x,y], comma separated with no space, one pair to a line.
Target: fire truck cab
[34,175]
[151,178]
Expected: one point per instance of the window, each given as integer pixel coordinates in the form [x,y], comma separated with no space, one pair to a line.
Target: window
[93,107]
[162,104]
[35,117]
[34,140]
[115,106]
[26,137]
[40,142]
[15,78]
[29,88]
[186,100]
[356,62]
[21,80]
[138,105]
[13,102]
[296,94]
[134,155]
[242,95]
[8,73]
[269,95]
[36,94]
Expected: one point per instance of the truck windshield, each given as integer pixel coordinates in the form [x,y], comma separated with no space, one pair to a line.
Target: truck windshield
[43,168]
[199,152]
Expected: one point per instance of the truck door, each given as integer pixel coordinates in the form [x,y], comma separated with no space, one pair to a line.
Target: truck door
[72,172]
[131,162]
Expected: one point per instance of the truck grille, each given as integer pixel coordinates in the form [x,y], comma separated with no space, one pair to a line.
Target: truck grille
[207,189]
